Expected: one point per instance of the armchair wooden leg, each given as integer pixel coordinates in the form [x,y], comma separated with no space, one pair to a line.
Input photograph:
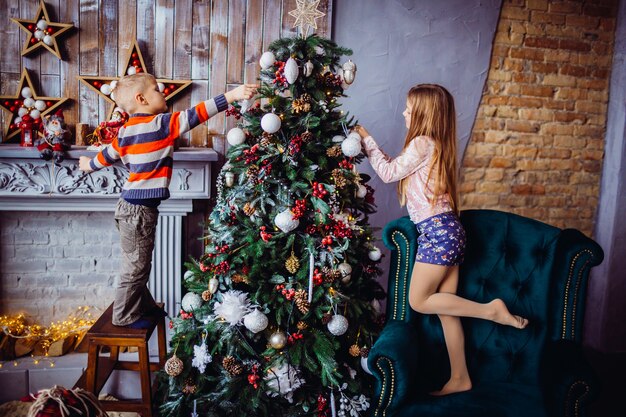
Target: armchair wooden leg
[144,372]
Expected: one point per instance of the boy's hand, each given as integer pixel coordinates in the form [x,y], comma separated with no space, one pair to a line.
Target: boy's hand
[243,92]
[361,131]
[83,164]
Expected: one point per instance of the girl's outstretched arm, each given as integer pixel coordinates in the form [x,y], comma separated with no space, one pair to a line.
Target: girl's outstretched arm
[412,158]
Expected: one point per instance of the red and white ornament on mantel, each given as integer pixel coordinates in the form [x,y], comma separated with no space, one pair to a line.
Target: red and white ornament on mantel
[105,86]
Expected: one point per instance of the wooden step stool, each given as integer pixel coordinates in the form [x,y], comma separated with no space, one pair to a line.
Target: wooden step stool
[104,333]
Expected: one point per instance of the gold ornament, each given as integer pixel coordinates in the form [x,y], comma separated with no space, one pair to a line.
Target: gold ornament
[300,106]
[239,278]
[278,340]
[334,151]
[231,366]
[173,366]
[302,302]
[248,209]
[292,264]
[190,387]
[306,12]
[339,178]
[302,325]
[354,350]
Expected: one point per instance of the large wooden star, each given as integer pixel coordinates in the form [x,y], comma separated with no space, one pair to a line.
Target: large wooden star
[306,12]
[42,33]
[135,64]
[12,104]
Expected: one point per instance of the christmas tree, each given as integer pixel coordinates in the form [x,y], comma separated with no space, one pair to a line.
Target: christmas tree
[282,307]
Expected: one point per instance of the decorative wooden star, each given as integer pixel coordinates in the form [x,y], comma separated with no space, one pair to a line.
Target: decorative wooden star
[306,12]
[12,104]
[42,32]
[135,64]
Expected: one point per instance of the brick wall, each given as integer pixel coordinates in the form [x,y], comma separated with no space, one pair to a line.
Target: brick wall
[537,144]
[51,263]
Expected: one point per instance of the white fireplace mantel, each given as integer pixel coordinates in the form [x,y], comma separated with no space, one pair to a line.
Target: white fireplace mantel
[28,183]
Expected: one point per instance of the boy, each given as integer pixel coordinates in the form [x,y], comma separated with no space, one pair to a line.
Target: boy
[145,144]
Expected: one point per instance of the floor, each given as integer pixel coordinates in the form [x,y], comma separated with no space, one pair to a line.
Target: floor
[611,369]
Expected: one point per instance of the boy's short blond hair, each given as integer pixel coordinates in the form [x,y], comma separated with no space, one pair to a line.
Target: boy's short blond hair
[124,92]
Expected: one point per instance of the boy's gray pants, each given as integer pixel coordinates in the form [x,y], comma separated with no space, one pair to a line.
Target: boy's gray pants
[137,227]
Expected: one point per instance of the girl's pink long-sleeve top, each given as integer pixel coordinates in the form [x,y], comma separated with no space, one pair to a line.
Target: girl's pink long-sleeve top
[414,162]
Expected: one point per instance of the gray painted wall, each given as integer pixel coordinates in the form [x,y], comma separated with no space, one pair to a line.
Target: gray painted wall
[400,43]
[604,326]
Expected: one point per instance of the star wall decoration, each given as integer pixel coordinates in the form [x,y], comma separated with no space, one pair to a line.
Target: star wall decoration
[42,33]
[26,98]
[306,12]
[135,64]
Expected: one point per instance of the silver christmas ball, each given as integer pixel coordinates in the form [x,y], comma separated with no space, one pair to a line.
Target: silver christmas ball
[190,302]
[351,146]
[285,221]
[338,325]
[345,269]
[235,136]
[188,275]
[255,321]
[361,192]
[270,123]
[374,254]
[267,60]
[278,340]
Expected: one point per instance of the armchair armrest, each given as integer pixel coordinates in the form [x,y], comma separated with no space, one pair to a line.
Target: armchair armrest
[572,383]
[393,362]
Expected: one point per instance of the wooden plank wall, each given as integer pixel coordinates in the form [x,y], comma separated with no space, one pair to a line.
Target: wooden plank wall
[215,43]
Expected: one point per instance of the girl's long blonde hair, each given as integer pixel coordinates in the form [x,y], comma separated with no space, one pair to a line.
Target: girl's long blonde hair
[433,115]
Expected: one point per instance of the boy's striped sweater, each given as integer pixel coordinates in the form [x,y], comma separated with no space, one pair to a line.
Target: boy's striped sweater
[145,144]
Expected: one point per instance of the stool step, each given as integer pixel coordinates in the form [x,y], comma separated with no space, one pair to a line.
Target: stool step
[104,327]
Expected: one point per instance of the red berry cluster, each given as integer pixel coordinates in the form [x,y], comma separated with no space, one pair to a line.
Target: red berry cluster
[232,111]
[345,164]
[280,74]
[295,145]
[245,269]
[319,190]
[265,235]
[253,378]
[250,154]
[322,406]
[294,337]
[311,229]
[184,315]
[299,209]
[266,167]
[327,240]
[318,278]
[340,229]
[289,293]
[218,251]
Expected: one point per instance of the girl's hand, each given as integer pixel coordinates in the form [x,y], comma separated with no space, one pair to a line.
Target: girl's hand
[83,164]
[243,92]
[361,131]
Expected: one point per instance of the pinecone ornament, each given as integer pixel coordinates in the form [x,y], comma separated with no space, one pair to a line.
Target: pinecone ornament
[253,173]
[365,351]
[302,301]
[354,350]
[302,325]
[307,137]
[339,178]
[248,209]
[206,295]
[173,366]
[231,366]
[330,275]
[300,106]
[238,278]
[292,264]
[334,151]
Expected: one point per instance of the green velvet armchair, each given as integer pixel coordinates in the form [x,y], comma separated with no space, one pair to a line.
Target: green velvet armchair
[541,273]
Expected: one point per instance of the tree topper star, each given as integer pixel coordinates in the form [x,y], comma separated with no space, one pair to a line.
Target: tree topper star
[306,12]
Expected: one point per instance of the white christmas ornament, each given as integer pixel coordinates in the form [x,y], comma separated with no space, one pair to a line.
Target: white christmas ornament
[190,302]
[308,68]
[337,325]
[351,146]
[285,221]
[39,34]
[361,192]
[345,269]
[338,138]
[26,93]
[229,179]
[48,40]
[188,275]
[22,111]
[270,123]
[374,254]
[131,71]
[376,306]
[319,50]
[267,59]
[35,114]
[233,308]
[42,24]
[160,85]
[349,72]
[236,136]
[201,357]
[255,321]
[291,70]
[40,105]
[105,89]
[17,120]
[29,102]
[283,380]
[114,83]
[364,365]
[213,285]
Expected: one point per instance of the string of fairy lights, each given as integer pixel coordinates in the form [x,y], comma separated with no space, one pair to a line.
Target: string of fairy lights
[18,327]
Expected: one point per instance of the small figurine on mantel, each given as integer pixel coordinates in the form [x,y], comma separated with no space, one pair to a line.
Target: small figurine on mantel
[55,139]
[107,131]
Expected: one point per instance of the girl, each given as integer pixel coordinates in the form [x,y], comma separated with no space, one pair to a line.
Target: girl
[426,171]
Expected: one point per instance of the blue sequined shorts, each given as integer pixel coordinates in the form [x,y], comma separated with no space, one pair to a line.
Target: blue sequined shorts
[441,240]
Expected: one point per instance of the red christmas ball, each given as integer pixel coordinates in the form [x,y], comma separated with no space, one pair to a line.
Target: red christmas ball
[48,103]
[97,84]
[17,102]
[7,103]
[139,69]
[12,109]
[31,27]
[136,62]
[172,86]
[33,40]
[166,91]
[12,126]
[50,30]
[134,55]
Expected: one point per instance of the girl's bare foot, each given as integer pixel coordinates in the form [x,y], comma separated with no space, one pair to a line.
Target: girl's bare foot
[454,385]
[502,315]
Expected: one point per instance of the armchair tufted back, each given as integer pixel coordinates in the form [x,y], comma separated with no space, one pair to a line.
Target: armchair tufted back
[538,270]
